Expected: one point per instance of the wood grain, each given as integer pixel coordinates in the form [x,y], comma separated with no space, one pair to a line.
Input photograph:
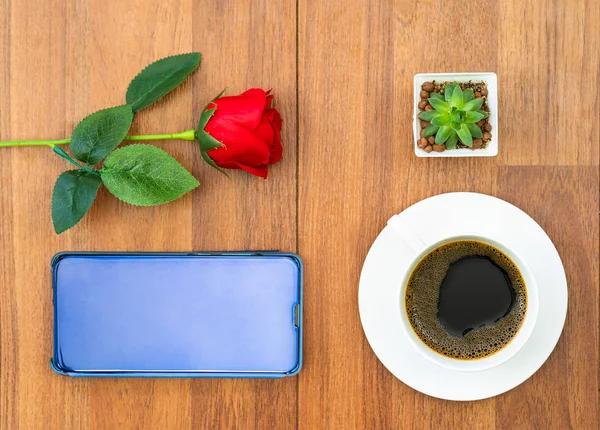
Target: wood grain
[564,392]
[366,172]
[342,78]
[257,50]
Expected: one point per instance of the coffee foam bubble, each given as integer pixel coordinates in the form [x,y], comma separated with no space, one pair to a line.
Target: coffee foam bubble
[422,296]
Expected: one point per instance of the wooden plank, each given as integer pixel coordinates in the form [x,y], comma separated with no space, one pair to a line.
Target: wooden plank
[67,60]
[357,168]
[32,105]
[548,73]
[357,162]
[246,44]
[564,392]
[125,37]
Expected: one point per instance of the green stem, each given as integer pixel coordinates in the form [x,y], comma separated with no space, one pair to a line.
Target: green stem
[184,135]
[66,156]
[49,143]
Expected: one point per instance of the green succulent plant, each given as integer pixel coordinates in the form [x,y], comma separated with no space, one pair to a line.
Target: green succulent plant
[454,116]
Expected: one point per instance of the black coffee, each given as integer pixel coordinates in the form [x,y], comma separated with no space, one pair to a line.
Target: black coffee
[466,299]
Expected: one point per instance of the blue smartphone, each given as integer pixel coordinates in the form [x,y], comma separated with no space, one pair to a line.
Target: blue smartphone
[222,314]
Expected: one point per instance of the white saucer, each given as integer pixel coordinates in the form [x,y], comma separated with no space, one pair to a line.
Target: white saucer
[387,262]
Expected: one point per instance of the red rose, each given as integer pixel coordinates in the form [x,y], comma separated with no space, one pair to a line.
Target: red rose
[243,132]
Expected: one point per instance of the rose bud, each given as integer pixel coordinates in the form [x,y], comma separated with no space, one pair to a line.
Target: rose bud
[241,132]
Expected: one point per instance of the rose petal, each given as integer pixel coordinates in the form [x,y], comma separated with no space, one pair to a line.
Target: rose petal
[245,109]
[273,115]
[275,122]
[261,171]
[265,131]
[241,145]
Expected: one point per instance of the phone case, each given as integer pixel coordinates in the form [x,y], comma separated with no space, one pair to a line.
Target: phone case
[217,314]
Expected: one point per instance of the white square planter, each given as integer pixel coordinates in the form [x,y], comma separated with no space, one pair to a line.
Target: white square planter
[491,81]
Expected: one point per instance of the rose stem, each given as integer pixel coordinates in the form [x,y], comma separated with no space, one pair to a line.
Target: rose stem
[184,135]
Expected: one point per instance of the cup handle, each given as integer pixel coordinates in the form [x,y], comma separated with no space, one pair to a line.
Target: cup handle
[406,234]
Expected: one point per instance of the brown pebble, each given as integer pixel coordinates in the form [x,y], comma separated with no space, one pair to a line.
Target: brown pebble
[480,123]
[428,108]
[422,143]
[487,136]
[484,91]
[428,86]
[431,139]
[422,131]
[477,143]
[428,148]
[439,148]
[477,95]
[424,95]
[424,124]
[488,127]
[422,104]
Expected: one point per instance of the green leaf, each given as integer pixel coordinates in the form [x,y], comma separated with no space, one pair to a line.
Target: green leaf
[443,134]
[468,95]
[73,195]
[99,133]
[439,105]
[457,97]
[436,96]
[473,105]
[448,90]
[145,175]
[475,130]
[430,130]
[212,163]
[472,117]
[456,116]
[484,113]
[451,142]
[441,119]
[455,125]
[429,115]
[160,78]
[465,135]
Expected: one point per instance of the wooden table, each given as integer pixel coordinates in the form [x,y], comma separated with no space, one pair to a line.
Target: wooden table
[342,76]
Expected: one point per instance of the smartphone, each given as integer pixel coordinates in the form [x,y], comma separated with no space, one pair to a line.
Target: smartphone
[219,314]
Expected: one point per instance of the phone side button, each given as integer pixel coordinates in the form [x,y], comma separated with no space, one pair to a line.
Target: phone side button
[296,315]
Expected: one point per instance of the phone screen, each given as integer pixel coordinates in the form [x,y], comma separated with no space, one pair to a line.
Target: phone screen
[149,313]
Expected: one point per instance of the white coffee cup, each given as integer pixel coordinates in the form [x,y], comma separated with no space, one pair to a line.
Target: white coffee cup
[420,250]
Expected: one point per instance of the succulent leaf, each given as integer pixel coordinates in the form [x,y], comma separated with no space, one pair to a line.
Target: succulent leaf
[430,130]
[468,95]
[473,105]
[429,115]
[456,116]
[472,117]
[439,105]
[449,89]
[437,96]
[465,135]
[475,130]
[457,97]
[452,140]
[441,119]
[443,134]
